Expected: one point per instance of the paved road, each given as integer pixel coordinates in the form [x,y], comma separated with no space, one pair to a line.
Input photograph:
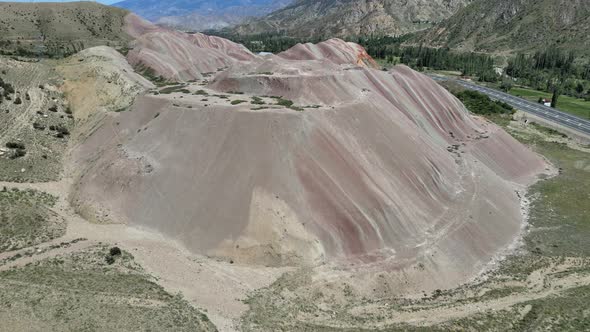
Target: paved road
[539,110]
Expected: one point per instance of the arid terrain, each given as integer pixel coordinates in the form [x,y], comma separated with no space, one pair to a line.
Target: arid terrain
[183,183]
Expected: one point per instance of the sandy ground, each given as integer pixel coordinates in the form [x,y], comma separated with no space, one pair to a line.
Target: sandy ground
[540,284]
[215,286]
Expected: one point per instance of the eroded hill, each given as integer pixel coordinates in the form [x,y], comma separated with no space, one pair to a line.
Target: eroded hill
[307,157]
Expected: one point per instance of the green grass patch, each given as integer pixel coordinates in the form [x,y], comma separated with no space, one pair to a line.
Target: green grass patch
[548,131]
[480,103]
[571,105]
[560,205]
[238,101]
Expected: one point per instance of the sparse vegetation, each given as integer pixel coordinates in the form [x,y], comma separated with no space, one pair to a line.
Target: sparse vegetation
[150,75]
[25,219]
[40,160]
[238,101]
[118,296]
[65,29]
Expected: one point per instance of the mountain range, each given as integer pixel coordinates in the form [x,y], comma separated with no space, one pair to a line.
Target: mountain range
[200,14]
[343,18]
[496,26]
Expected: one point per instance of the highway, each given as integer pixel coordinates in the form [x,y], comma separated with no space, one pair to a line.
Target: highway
[542,111]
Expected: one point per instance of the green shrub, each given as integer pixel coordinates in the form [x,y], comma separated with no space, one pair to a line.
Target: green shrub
[115,251]
[15,145]
[38,126]
[175,88]
[237,101]
[257,101]
[110,259]
[62,130]
[284,102]
[479,103]
[18,153]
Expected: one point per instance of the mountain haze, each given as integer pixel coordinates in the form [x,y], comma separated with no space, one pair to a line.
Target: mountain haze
[201,14]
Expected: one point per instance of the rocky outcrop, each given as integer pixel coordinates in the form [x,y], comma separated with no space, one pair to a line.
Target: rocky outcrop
[100,79]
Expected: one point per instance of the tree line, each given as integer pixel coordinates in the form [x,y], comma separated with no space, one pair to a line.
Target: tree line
[550,70]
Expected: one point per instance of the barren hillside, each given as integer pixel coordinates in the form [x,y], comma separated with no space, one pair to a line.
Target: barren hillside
[310,156]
